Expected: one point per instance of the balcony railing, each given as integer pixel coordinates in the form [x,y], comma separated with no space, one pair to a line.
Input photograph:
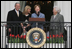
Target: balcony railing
[9,40]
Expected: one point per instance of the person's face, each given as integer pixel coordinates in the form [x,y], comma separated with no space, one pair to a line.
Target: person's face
[54,11]
[17,7]
[29,10]
[37,9]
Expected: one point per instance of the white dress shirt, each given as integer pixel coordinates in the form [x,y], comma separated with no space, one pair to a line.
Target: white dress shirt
[55,16]
[17,11]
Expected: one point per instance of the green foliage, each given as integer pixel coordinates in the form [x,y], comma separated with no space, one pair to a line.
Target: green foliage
[21,40]
[55,40]
[17,40]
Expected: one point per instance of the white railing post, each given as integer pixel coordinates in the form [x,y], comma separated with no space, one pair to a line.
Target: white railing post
[68,36]
[1,37]
[4,37]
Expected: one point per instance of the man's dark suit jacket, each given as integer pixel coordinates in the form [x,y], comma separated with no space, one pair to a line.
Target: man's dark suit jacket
[15,27]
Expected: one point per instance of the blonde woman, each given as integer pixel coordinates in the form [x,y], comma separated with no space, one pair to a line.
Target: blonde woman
[26,16]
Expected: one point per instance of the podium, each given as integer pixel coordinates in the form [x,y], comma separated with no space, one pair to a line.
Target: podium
[36,33]
[37,19]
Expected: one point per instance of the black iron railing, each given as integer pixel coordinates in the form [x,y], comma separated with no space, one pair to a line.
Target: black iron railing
[15,40]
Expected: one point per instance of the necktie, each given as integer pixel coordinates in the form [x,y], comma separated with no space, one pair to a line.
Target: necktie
[17,14]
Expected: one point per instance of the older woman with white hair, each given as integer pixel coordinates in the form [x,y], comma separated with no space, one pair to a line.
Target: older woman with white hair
[58,26]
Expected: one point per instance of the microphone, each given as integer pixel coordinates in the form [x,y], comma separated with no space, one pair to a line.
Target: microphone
[37,14]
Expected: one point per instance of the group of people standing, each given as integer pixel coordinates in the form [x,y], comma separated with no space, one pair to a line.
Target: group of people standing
[16,15]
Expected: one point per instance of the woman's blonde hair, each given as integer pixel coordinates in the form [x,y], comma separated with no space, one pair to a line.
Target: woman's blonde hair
[26,8]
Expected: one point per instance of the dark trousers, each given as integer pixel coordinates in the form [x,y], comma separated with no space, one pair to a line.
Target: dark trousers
[14,30]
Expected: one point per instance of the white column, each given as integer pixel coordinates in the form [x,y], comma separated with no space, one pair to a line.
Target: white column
[2,10]
[5,7]
[65,7]
[66,12]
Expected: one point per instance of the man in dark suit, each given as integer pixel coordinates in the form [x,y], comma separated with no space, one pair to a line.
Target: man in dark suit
[14,16]
[56,28]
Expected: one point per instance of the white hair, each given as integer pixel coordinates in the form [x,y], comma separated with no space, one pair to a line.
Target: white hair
[17,3]
[57,9]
